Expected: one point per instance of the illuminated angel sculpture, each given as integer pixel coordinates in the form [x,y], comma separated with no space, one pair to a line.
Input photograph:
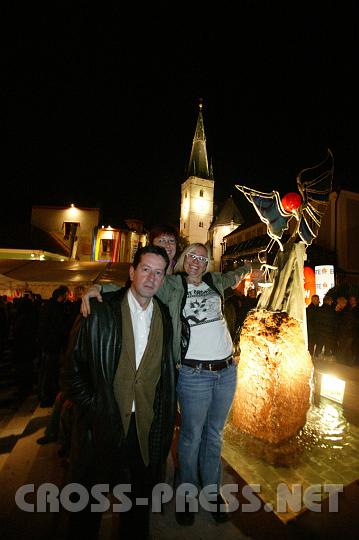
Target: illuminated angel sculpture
[286,275]
[275,369]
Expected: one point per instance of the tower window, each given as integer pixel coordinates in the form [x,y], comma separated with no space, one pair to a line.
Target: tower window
[185,195]
[201,193]
[201,224]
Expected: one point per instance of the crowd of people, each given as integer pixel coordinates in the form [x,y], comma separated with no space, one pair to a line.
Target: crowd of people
[333,329]
[35,334]
[37,330]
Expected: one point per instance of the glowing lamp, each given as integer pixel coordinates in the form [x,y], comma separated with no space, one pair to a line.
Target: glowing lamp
[309,284]
[332,388]
[291,201]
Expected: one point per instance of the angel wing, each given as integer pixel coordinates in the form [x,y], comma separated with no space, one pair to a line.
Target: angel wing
[315,193]
[270,210]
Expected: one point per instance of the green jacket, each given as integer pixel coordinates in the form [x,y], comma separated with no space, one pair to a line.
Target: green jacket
[98,452]
[173,293]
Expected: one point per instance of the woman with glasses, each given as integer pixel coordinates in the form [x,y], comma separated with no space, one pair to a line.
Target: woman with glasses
[206,385]
[207,374]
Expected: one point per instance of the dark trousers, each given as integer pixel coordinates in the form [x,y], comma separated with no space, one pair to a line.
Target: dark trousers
[133,523]
[49,375]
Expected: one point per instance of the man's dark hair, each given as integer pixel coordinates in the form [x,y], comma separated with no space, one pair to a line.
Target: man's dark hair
[159,229]
[56,293]
[64,289]
[156,250]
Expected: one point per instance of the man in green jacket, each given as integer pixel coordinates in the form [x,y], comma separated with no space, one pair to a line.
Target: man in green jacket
[122,383]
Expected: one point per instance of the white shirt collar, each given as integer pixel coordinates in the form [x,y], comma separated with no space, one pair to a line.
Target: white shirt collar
[135,306]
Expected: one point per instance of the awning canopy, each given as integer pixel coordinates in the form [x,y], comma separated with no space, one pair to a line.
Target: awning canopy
[41,276]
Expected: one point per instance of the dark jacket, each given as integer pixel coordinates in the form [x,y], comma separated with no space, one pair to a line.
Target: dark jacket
[327,328]
[52,327]
[98,436]
[312,322]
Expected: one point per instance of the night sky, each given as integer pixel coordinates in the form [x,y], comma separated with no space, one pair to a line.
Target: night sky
[99,107]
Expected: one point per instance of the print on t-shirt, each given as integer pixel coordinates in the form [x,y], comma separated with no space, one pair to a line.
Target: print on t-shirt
[203,305]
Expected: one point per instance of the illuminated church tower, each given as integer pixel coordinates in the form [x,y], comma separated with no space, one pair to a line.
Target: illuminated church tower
[197,191]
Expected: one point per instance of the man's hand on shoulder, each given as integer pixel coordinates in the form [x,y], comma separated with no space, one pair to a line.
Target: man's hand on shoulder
[92,292]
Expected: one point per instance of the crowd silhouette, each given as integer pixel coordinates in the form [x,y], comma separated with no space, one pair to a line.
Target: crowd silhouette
[333,329]
[35,334]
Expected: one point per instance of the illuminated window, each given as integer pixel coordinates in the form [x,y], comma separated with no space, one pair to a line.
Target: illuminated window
[69,229]
[106,246]
[201,193]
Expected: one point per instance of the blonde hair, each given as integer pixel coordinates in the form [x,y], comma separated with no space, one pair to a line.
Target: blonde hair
[189,249]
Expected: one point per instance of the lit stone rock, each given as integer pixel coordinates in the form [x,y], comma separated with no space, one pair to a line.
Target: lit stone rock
[275,373]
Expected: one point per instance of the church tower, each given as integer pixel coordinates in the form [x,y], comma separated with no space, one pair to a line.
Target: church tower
[198,190]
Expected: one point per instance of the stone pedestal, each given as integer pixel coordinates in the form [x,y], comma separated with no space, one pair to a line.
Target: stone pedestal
[275,373]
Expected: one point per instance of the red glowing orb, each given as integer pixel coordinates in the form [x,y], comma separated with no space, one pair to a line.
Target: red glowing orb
[291,201]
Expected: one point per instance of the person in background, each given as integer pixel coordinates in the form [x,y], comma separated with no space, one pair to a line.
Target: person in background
[25,334]
[59,424]
[121,380]
[354,310]
[326,330]
[203,351]
[341,304]
[166,236]
[353,302]
[72,308]
[340,315]
[347,330]
[312,323]
[53,334]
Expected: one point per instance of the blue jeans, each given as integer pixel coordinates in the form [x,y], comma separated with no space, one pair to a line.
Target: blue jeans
[205,398]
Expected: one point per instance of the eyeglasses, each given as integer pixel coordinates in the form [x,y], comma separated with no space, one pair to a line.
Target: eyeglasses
[199,258]
[166,240]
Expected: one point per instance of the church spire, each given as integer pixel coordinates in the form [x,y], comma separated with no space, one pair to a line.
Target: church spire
[198,163]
